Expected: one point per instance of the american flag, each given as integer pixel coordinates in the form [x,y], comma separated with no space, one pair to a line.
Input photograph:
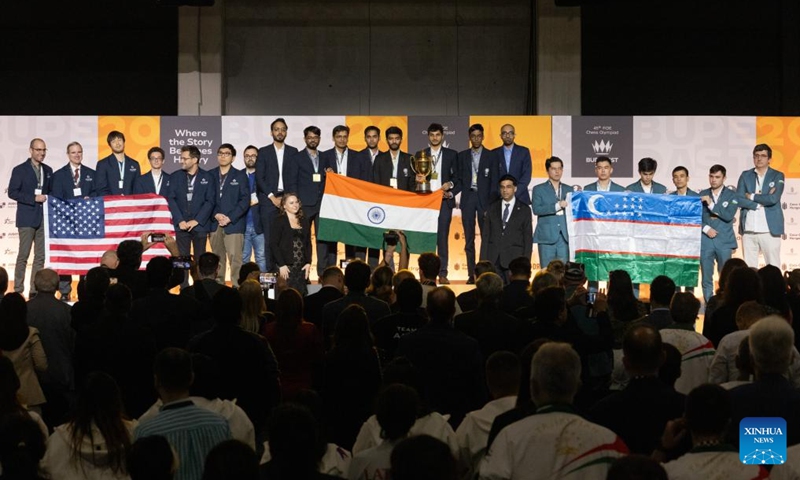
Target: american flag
[79,231]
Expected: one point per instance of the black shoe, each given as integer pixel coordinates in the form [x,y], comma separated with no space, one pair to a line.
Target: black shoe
[471,281]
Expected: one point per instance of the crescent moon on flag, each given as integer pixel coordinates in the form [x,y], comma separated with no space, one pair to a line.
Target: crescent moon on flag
[591,204]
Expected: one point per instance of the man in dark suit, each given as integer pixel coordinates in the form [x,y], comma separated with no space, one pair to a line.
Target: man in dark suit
[192,199]
[356,279]
[478,190]
[117,173]
[332,280]
[73,180]
[345,161]
[29,186]
[393,168]
[445,174]
[372,136]
[514,160]
[270,168]
[156,180]
[509,228]
[228,222]
[305,176]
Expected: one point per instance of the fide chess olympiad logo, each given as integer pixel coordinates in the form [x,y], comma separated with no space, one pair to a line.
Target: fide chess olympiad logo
[762,441]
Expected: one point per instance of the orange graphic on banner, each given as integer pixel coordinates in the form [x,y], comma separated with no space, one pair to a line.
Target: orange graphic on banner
[534,132]
[141,133]
[782,134]
[357,125]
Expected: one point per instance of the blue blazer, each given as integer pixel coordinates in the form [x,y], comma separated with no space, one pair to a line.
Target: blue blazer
[655,187]
[267,172]
[721,218]
[615,187]
[487,177]
[549,226]
[21,189]
[520,169]
[63,184]
[146,184]
[358,166]
[298,177]
[108,176]
[689,193]
[233,201]
[450,172]
[203,200]
[770,202]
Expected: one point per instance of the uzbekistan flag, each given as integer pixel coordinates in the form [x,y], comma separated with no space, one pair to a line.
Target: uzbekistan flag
[79,231]
[645,234]
[358,213]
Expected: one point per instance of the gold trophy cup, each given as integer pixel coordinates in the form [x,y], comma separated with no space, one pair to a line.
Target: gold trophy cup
[422,165]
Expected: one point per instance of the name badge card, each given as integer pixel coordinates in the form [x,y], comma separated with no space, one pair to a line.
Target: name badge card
[393,182]
[77,192]
[316,177]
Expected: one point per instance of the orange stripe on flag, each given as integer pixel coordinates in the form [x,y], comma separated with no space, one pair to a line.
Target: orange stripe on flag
[355,189]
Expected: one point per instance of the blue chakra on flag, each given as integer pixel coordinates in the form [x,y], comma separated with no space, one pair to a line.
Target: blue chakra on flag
[376,215]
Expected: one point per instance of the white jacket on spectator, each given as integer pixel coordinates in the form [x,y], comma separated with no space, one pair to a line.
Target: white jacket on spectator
[433,424]
[92,463]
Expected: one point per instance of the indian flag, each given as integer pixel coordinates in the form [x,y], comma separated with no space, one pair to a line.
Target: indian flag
[356,212]
[645,234]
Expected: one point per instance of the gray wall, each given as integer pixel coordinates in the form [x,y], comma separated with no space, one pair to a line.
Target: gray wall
[380,57]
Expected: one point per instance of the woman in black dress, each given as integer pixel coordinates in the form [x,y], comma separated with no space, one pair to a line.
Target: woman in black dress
[290,244]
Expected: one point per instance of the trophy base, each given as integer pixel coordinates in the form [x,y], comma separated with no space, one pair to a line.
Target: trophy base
[423,188]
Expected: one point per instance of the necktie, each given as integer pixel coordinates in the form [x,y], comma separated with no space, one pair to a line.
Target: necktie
[505,215]
[77,177]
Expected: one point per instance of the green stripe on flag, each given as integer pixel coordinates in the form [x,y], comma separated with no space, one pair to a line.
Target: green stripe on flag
[331,230]
[642,268]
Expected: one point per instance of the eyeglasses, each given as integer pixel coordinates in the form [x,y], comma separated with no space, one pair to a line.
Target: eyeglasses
[224,154]
[250,157]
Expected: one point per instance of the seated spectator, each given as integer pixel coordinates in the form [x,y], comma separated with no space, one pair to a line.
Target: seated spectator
[356,279]
[94,443]
[297,345]
[494,329]
[129,253]
[776,294]
[502,378]
[670,370]
[723,365]
[555,441]
[743,284]
[450,362]
[744,365]
[771,394]
[352,376]
[661,291]
[407,319]
[249,271]
[336,460]
[294,446]
[429,264]
[9,398]
[468,300]
[21,448]
[380,285]
[557,268]
[22,345]
[714,302]
[396,411]
[423,457]
[708,416]
[623,306]
[171,319]
[332,282]
[206,286]
[636,467]
[151,458]
[51,318]
[191,431]
[86,311]
[255,388]
[696,350]
[639,413]
[204,393]
[231,459]
[516,293]
[254,308]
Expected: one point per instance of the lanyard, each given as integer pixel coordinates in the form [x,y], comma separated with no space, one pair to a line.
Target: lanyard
[191,181]
[222,179]
[121,166]
[758,184]
[558,192]
[476,160]
[340,160]
[158,183]
[436,158]
[314,160]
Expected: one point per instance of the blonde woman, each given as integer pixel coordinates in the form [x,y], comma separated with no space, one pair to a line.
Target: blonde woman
[290,244]
[254,308]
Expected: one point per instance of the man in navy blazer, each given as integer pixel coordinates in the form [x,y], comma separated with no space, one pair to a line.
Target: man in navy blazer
[73,180]
[345,161]
[603,169]
[192,200]
[479,189]
[270,166]
[305,176]
[445,174]
[514,160]
[29,186]
[393,168]
[229,220]
[117,173]
[509,229]
[253,232]
[718,240]
[372,137]
[156,180]
[761,230]
[647,169]
[549,206]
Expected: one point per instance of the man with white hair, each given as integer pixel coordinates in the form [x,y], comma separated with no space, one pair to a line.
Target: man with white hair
[771,394]
[555,442]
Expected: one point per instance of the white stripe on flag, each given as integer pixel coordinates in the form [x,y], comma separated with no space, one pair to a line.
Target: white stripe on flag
[636,238]
[349,210]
